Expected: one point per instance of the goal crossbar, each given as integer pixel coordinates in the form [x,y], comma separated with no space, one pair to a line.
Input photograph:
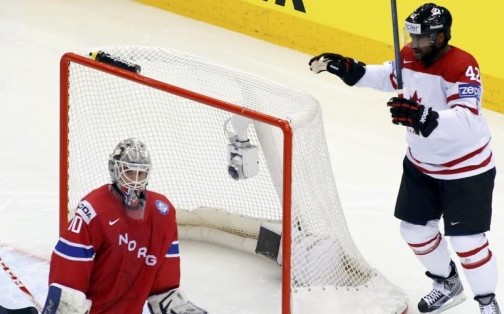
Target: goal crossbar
[179,105]
[284,125]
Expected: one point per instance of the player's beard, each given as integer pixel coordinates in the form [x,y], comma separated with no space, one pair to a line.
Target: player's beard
[431,57]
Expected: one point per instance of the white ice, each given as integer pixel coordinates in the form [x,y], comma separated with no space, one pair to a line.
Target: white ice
[366,150]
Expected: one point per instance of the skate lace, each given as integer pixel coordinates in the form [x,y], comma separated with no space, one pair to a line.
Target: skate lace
[436,293]
[489,309]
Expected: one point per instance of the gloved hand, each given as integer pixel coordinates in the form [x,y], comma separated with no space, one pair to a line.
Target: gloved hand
[348,69]
[409,113]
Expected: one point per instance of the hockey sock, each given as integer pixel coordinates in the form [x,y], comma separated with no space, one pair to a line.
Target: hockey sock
[429,246]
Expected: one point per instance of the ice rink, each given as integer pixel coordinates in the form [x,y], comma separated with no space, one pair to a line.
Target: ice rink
[366,150]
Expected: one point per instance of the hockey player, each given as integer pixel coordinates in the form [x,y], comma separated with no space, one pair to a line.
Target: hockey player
[121,248]
[449,168]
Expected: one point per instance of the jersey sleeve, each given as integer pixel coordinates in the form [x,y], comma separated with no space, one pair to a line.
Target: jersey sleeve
[463,90]
[73,257]
[463,85]
[380,77]
[168,274]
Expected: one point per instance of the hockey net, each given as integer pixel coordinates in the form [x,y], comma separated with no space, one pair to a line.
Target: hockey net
[179,106]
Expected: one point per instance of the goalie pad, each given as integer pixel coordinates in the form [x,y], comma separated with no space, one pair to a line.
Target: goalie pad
[65,300]
[172,302]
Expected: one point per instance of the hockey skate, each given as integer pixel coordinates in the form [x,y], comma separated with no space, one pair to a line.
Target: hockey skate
[446,293]
[488,304]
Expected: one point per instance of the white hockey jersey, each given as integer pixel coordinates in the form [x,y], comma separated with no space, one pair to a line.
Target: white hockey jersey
[459,146]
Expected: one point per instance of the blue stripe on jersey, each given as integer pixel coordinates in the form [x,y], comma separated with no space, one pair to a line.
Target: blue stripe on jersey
[74,251]
[173,251]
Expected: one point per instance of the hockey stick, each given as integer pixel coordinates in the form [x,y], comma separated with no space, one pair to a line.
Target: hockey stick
[20,285]
[397,50]
[24,310]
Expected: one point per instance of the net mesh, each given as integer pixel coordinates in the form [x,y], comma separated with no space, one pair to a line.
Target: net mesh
[188,148]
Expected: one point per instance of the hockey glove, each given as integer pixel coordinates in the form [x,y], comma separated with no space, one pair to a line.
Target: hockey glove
[172,302]
[62,299]
[409,113]
[348,69]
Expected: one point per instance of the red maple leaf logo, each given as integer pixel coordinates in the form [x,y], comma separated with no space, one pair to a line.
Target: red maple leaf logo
[415,98]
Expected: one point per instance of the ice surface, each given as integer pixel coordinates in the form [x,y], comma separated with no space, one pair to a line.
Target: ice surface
[366,150]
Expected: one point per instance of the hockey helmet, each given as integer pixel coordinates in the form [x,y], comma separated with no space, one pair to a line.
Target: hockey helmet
[426,22]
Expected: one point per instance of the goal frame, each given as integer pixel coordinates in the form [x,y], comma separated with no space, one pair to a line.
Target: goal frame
[282,124]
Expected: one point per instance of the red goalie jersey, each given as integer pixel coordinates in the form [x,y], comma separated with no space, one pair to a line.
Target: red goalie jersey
[118,261]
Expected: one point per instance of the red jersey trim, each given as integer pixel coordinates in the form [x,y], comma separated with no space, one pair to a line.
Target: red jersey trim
[458,160]
[466,157]
[393,81]
[472,110]
[458,170]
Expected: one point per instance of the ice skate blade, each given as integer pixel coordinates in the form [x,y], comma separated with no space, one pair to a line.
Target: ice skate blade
[448,305]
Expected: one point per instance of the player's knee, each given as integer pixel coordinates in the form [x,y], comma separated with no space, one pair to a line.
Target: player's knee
[421,239]
[417,233]
[473,250]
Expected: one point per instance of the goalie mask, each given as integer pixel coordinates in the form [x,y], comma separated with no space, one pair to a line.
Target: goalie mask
[129,167]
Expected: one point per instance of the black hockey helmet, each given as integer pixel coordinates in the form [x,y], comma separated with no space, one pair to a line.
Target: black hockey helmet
[429,19]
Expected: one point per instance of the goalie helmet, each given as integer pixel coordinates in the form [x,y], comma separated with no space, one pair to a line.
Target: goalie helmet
[129,167]
[429,20]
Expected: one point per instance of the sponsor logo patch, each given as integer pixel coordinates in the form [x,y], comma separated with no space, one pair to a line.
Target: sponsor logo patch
[469,91]
[162,207]
[86,211]
[113,222]
[413,28]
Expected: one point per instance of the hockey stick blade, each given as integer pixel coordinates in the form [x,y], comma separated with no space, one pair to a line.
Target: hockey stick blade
[25,310]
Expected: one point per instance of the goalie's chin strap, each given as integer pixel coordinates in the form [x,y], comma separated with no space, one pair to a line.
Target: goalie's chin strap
[131,199]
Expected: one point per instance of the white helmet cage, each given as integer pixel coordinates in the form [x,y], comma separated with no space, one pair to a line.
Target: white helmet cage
[129,166]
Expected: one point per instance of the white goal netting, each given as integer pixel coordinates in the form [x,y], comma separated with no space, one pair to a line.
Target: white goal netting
[188,147]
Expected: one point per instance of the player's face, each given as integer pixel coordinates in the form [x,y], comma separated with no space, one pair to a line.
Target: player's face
[420,41]
[424,44]
[420,52]
[134,175]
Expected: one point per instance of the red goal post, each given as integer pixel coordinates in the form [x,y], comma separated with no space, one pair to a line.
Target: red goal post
[176,105]
[284,125]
